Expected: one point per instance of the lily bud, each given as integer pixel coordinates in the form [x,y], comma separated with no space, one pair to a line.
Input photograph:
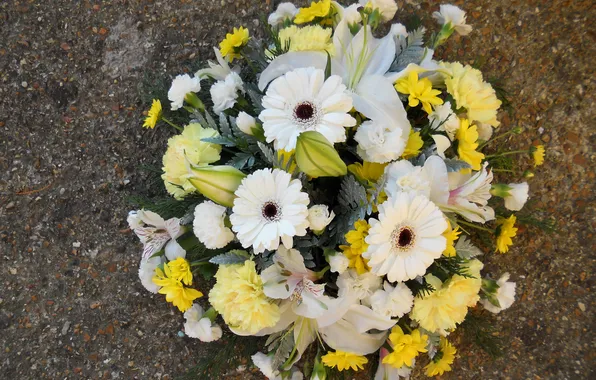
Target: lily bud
[528,174]
[217,183]
[246,123]
[316,157]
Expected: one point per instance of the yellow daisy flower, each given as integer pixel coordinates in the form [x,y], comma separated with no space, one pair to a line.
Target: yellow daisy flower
[367,171]
[442,360]
[467,137]
[233,41]
[284,157]
[307,38]
[180,269]
[538,154]
[153,115]
[506,232]
[357,246]
[344,360]
[175,292]
[317,9]
[405,347]
[420,91]
[451,235]
[413,145]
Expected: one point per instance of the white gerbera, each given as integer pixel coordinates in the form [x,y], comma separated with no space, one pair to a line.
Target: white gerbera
[406,238]
[225,92]
[209,227]
[200,327]
[182,85]
[302,100]
[450,14]
[380,142]
[392,301]
[269,206]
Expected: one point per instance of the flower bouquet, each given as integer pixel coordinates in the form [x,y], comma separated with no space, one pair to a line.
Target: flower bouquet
[331,177]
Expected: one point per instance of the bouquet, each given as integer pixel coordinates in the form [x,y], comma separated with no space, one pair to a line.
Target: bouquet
[331,177]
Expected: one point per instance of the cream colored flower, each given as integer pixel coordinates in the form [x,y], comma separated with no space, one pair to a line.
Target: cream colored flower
[455,17]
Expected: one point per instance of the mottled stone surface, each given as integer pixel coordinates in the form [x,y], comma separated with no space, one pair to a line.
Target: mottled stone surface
[72,144]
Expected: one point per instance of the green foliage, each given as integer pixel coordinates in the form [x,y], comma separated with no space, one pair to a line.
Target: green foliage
[477,328]
[419,287]
[465,249]
[351,207]
[409,50]
[235,256]
[166,207]
[446,267]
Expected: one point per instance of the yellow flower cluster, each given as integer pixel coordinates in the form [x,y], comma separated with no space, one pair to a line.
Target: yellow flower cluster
[233,42]
[238,296]
[307,38]
[471,92]
[317,9]
[344,360]
[171,280]
[506,232]
[538,154]
[405,347]
[153,115]
[451,235]
[442,360]
[467,138]
[369,173]
[448,304]
[419,91]
[187,146]
[357,246]
[413,145]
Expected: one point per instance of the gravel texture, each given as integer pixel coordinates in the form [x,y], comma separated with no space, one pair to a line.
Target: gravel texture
[72,144]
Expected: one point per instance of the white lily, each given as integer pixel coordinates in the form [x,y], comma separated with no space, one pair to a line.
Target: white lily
[155,233]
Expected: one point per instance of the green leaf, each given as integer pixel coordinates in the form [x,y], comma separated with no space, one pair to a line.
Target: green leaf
[235,256]
[328,66]
[466,249]
[454,165]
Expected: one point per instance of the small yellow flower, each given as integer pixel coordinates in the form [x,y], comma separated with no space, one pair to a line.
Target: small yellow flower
[180,269]
[451,235]
[307,38]
[284,158]
[506,232]
[357,246]
[317,9]
[173,289]
[413,145]
[405,347]
[367,171]
[442,360]
[344,360]
[538,154]
[233,41]
[153,115]
[420,91]
[467,138]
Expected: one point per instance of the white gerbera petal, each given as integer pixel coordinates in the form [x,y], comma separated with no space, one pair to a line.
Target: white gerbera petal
[269,207]
[209,227]
[302,100]
[430,180]
[407,237]
[182,85]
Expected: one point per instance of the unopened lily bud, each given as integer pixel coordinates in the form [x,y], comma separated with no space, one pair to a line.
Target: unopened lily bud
[316,157]
[217,183]
[246,123]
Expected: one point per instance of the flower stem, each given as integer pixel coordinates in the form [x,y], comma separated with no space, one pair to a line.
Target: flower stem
[503,170]
[475,226]
[172,124]
[507,153]
[493,139]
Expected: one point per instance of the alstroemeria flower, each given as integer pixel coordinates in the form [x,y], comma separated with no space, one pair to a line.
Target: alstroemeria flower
[155,233]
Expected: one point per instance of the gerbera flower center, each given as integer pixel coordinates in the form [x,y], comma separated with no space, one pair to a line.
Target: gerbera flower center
[271,211]
[403,238]
[306,114]
[304,111]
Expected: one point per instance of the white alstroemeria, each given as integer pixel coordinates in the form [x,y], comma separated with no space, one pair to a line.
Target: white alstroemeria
[392,301]
[246,123]
[338,262]
[430,180]
[444,119]
[155,233]
[517,196]
[453,17]
[319,217]
[147,271]
[378,141]
[388,372]
[217,71]
[288,278]
[442,143]
[284,11]
[199,326]
[387,8]
[359,286]
[505,295]
[469,195]
[182,85]
[225,92]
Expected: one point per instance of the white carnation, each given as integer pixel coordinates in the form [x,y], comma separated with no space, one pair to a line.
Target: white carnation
[455,16]
[518,195]
[199,327]
[319,217]
[351,14]
[379,142]
[392,301]
[505,295]
[182,85]
[147,271]
[225,92]
[387,8]
[284,11]
[360,286]
[246,122]
[265,364]
[338,262]
[209,226]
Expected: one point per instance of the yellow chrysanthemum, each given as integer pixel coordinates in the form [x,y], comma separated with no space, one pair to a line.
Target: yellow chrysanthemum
[357,246]
[442,360]
[153,115]
[367,171]
[284,157]
[307,38]
[317,9]
[180,270]
[467,137]
[447,305]
[344,360]
[405,347]
[538,154]
[506,232]
[471,92]
[175,292]
[238,296]
[419,91]
[451,235]
[187,146]
[413,145]
[233,42]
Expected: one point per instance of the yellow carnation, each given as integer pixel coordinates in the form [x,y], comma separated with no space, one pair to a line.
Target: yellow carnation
[233,42]
[307,38]
[187,145]
[316,9]
[467,138]
[344,360]
[413,145]
[405,347]
[357,246]
[471,92]
[442,360]
[238,296]
[506,232]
